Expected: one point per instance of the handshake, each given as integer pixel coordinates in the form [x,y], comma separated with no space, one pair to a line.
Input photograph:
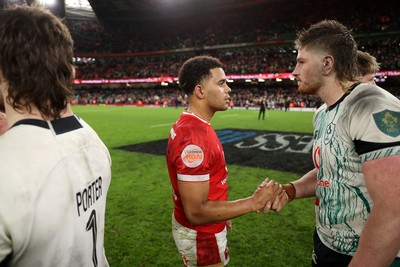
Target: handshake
[271,195]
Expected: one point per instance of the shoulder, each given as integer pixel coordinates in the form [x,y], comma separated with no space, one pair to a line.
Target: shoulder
[191,125]
[190,131]
[367,92]
[370,98]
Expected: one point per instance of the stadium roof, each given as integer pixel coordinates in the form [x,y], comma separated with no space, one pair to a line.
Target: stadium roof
[125,10]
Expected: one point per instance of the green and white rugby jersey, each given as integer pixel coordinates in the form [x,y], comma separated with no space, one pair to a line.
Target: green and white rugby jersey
[363,125]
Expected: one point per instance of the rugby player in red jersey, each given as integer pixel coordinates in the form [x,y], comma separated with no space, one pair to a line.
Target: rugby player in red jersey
[198,171]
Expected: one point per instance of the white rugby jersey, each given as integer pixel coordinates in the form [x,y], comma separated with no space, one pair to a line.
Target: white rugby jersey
[363,125]
[54,179]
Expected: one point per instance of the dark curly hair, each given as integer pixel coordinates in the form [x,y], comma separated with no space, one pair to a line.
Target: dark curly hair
[36,52]
[194,70]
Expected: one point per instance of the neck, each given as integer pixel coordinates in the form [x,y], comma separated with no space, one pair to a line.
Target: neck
[13,116]
[333,91]
[207,116]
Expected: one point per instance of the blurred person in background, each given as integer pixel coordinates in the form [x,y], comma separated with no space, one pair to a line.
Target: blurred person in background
[367,66]
[263,108]
[55,170]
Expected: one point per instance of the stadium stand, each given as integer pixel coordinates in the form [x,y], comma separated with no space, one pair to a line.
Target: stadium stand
[248,43]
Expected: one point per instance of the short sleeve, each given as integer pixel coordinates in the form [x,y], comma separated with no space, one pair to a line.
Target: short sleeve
[374,122]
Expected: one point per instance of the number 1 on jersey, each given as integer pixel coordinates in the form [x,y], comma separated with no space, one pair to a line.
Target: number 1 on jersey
[92,225]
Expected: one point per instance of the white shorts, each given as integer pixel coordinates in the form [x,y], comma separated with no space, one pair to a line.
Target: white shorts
[200,249]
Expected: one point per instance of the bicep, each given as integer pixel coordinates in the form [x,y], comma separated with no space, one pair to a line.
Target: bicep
[193,195]
[382,179]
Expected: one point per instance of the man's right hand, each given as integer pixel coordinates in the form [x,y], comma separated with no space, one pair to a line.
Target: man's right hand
[266,194]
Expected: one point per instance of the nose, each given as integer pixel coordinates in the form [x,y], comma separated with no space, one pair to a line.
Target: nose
[295,72]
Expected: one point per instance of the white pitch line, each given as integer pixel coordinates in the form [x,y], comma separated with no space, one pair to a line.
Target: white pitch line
[161,125]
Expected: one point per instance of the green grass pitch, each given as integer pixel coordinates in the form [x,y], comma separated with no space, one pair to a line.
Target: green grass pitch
[139,204]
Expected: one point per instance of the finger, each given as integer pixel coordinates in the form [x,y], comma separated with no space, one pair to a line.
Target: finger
[267,207]
[229,225]
[282,202]
[287,197]
[264,183]
[275,204]
[271,183]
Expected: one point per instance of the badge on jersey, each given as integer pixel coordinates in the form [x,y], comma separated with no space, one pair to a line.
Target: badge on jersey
[388,122]
[192,156]
[329,133]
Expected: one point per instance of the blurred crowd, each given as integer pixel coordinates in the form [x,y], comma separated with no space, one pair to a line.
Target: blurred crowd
[248,42]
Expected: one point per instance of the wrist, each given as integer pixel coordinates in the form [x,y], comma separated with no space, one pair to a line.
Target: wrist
[290,191]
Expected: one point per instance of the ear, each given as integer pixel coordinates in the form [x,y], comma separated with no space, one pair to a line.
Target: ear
[198,91]
[327,64]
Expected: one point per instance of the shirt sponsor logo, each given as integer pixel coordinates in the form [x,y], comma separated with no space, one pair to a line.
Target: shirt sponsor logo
[388,122]
[317,157]
[192,156]
[324,183]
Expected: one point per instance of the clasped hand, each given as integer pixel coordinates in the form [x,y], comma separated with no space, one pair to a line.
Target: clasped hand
[269,196]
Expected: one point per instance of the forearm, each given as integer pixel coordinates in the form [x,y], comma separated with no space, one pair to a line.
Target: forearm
[379,241]
[217,211]
[305,186]
[208,211]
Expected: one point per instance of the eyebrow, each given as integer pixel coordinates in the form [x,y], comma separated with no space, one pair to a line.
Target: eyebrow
[300,58]
[222,80]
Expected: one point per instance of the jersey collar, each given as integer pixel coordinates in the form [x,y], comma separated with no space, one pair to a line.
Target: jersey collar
[185,112]
[331,107]
[60,126]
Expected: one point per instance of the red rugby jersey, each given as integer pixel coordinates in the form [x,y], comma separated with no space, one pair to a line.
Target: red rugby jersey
[195,154]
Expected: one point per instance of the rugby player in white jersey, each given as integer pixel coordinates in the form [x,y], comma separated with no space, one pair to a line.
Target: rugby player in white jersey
[356,154]
[55,170]
[367,67]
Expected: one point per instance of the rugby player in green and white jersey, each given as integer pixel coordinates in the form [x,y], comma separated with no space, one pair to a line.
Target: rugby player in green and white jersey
[367,67]
[54,169]
[356,154]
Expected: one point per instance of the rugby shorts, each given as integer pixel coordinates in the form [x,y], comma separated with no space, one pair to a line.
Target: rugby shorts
[199,248]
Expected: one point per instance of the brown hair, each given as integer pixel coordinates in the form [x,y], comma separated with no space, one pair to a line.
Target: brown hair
[334,38]
[36,52]
[366,63]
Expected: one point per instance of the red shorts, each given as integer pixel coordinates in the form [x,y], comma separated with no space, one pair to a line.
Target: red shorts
[200,249]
